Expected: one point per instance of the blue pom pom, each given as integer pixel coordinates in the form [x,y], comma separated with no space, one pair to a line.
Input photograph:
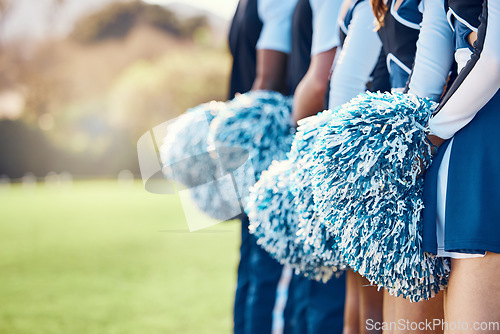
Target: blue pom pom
[367,191]
[186,145]
[260,122]
[271,210]
[273,207]
[319,247]
[186,158]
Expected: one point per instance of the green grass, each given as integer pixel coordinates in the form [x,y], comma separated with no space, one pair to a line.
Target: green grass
[99,258]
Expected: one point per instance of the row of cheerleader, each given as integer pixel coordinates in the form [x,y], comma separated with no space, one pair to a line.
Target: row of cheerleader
[360,149]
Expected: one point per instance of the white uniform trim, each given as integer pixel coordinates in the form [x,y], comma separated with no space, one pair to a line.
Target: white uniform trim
[461,20]
[278,325]
[394,59]
[401,20]
[341,24]
[462,56]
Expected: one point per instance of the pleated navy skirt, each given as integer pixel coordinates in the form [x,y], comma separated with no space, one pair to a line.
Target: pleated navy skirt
[472,208]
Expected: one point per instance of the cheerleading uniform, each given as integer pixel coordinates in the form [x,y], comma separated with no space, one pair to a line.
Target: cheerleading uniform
[257,24]
[302,34]
[461,186]
[417,51]
[263,24]
[416,41]
[317,307]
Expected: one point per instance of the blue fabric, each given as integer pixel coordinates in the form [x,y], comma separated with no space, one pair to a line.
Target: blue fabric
[430,201]
[243,36]
[462,32]
[258,276]
[243,280]
[473,188]
[300,57]
[399,76]
[319,307]
[473,192]
[400,40]
[408,10]
[264,274]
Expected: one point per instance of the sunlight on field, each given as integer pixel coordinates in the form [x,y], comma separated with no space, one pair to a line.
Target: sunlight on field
[102,258]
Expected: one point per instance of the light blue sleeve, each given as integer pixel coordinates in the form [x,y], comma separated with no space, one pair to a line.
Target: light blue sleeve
[276,16]
[325,29]
[480,85]
[358,57]
[435,50]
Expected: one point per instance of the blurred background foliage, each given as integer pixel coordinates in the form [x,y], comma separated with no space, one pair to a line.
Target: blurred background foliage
[79,103]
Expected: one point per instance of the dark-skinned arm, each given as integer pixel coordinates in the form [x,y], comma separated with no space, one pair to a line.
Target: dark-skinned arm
[271,71]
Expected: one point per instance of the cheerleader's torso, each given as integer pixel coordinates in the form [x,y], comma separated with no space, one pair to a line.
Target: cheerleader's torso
[462,186]
[399,36]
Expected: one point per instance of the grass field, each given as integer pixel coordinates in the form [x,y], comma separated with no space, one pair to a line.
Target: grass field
[97,258]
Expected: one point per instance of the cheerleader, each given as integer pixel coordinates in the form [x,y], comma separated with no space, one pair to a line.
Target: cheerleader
[351,74]
[462,185]
[414,35]
[318,307]
[260,41]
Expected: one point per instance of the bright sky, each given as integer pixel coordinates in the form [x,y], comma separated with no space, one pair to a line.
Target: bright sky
[224,8]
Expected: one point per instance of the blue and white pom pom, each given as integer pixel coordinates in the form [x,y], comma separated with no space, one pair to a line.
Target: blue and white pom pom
[187,159]
[271,211]
[260,122]
[320,250]
[274,219]
[367,190]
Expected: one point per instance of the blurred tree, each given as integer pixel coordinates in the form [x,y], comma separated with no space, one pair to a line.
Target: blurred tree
[162,19]
[86,104]
[116,21]
[194,23]
[5,7]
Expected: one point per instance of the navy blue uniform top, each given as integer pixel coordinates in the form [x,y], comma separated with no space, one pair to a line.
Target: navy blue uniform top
[300,57]
[243,36]
[399,37]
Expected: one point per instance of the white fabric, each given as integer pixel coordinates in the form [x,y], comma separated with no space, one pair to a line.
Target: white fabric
[278,324]
[442,185]
[325,32]
[434,52]
[358,57]
[276,17]
[462,56]
[478,88]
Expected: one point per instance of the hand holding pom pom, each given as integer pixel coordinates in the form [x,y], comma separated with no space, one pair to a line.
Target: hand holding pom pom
[368,193]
